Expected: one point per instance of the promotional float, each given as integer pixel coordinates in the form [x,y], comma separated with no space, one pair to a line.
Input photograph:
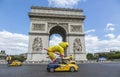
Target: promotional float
[58,60]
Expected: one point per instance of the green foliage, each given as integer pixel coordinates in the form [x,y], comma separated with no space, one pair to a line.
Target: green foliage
[20,58]
[90,56]
[109,55]
[113,56]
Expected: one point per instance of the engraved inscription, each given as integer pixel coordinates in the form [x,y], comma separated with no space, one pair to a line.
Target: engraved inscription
[38,27]
[76,28]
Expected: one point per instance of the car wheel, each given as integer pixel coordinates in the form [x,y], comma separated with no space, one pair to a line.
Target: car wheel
[51,69]
[72,69]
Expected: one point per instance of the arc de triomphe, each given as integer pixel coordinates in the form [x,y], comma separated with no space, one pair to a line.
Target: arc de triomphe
[45,21]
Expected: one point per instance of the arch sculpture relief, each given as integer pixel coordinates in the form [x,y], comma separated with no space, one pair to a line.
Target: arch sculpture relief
[77,46]
[37,44]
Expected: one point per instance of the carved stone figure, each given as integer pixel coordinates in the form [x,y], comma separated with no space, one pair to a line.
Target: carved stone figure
[37,44]
[77,45]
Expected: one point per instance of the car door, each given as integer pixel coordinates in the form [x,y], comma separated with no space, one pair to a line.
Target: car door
[63,67]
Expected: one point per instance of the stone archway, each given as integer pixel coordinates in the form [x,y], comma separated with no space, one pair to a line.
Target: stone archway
[45,21]
[58,30]
[61,31]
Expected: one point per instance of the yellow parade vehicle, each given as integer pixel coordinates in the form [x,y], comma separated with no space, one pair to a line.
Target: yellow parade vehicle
[60,62]
[15,63]
[64,66]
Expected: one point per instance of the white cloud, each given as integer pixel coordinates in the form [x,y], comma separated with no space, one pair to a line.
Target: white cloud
[110,36]
[64,3]
[94,44]
[55,39]
[110,27]
[89,31]
[91,42]
[13,43]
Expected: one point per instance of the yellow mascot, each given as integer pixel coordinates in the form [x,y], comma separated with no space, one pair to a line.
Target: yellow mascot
[57,49]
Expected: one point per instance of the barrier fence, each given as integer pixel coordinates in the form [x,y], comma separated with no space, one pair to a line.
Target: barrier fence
[78,62]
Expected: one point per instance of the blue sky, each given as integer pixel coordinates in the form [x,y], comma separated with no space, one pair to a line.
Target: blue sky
[101,25]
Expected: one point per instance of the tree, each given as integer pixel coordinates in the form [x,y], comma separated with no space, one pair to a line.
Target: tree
[19,57]
[90,56]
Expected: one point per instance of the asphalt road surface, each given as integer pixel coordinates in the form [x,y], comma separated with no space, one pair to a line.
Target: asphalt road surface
[39,70]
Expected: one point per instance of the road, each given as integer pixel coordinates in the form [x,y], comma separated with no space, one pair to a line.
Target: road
[39,70]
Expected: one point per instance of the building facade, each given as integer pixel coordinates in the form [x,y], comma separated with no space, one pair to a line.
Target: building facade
[45,21]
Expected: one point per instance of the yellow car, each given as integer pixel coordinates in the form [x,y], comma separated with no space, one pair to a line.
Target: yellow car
[71,66]
[16,63]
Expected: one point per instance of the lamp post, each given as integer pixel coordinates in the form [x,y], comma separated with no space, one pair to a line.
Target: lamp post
[74,54]
[74,50]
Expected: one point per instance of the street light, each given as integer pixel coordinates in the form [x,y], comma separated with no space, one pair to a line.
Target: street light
[74,54]
[74,50]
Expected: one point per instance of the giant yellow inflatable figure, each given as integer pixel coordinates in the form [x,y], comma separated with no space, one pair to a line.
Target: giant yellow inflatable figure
[57,49]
